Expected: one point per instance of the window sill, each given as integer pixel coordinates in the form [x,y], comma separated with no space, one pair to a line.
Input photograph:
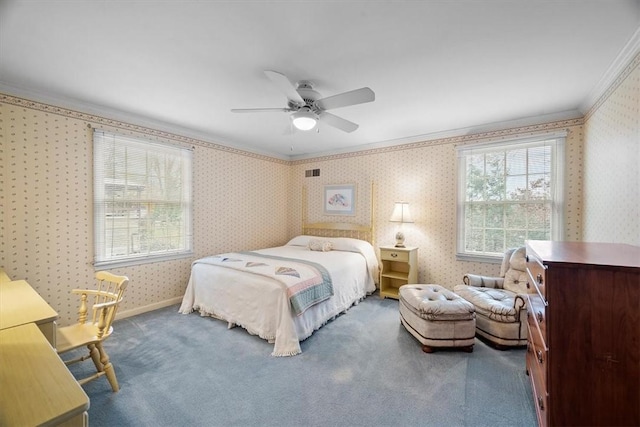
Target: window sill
[489,259]
[128,262]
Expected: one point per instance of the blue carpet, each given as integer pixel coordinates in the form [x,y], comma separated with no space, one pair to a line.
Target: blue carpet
[362,369]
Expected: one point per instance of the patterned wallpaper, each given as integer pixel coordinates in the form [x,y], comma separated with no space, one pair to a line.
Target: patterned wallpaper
[425,175]
[612,163]
[46,191]
[246,201]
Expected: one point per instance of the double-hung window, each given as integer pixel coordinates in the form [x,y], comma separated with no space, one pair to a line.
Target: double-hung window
[509,192]
[142,200]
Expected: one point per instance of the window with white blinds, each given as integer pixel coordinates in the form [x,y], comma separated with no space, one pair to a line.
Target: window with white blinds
[142,200]
[509,192]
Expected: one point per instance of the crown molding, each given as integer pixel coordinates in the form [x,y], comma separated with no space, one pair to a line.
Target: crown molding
[517,129]
[100,115]
[625,62]
[530,125]
[97,116]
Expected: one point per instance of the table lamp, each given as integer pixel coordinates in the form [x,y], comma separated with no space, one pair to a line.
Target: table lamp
[400,214]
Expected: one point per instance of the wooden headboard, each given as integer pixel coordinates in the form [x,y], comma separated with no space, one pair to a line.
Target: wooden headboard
[340,229]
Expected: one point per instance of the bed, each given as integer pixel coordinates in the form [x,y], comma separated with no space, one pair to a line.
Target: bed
[242,289]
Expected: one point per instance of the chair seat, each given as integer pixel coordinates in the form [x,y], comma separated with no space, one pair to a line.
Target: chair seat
[496,304]
[78,335]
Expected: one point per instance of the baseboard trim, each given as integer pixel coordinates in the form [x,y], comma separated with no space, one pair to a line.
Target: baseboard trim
[146,308]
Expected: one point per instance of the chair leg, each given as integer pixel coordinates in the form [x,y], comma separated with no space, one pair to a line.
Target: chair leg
[108,368]
[95,356]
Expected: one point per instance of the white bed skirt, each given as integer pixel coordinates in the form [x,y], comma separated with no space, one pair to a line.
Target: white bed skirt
[260,305]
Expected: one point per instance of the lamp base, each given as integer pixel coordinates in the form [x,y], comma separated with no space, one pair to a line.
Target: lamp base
[399,239]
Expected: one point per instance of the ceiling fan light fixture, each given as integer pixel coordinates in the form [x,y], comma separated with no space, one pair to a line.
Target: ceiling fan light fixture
[304,119]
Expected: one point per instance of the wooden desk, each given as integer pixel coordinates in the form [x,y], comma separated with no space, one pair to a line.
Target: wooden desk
[36,386]
[21,304]
[4,277]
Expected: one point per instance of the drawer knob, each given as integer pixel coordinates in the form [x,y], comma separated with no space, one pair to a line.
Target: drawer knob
[540,403]
[393,254]
[539,278]
[540,316]
[539,354]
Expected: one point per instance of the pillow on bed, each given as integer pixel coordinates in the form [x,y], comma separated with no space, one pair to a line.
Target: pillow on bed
[349,245]
[320,245]
[338,243]
[300,241]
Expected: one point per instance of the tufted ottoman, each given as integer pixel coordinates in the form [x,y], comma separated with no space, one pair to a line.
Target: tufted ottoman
[437,317]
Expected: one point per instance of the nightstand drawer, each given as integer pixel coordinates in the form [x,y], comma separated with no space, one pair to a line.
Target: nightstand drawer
[392,255]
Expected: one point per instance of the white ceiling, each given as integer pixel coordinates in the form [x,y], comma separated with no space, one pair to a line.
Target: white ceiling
[435,66]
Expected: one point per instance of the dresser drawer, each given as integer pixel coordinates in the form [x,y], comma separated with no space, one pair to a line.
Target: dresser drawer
[538,352]
[391,255]
[536,272]
[537,315]
[538,378]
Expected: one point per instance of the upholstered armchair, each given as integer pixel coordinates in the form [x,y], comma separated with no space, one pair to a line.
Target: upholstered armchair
[500,302]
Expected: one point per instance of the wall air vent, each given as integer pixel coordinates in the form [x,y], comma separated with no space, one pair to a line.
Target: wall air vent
[311,172]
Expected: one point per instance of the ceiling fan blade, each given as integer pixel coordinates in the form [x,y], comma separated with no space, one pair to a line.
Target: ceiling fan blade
[337,122]
[358,96]
[283,83]
[261,110]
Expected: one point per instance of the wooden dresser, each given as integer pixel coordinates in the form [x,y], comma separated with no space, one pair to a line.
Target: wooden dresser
[583,355]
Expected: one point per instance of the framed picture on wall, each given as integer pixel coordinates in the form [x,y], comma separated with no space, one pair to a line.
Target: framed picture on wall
[340,199]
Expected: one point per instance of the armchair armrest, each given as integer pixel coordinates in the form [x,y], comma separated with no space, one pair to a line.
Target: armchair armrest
[483,281]
[104,313]
[520,304]
[100,308]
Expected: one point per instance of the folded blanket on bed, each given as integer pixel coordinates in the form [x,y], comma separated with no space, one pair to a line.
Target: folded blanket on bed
[307,283]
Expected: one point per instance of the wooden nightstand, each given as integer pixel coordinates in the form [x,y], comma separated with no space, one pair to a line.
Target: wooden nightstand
[399,267]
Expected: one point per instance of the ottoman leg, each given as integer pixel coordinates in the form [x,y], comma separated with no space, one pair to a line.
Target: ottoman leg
[427,349]
[466,349]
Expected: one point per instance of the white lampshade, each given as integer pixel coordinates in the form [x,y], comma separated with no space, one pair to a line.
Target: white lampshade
[304,119]
[401,213]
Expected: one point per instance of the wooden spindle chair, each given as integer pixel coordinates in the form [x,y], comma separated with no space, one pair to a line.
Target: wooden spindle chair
[97,311]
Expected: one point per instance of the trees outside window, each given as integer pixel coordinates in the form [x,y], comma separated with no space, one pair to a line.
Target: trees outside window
[142,199]
[508,193]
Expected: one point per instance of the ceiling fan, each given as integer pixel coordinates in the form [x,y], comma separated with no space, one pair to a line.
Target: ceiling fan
[307,107]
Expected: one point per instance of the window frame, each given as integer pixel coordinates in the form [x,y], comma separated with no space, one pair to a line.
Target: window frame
[101,139]
[557,142]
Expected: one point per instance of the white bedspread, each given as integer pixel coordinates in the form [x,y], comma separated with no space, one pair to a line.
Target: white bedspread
[259,304]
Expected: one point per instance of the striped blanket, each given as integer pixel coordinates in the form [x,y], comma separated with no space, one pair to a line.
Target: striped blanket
[306,283]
